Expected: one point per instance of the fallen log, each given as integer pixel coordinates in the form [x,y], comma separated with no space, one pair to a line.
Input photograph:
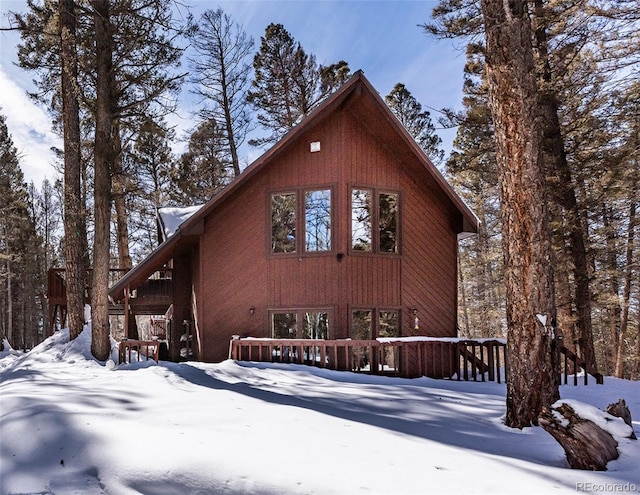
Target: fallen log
[621,410]
[587,440]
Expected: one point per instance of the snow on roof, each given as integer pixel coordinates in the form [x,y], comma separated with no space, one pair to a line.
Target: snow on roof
[172,217]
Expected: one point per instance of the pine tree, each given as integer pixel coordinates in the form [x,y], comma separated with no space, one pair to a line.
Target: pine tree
[573,74]
[150,187]
[103,158]
[221,78]
[74,222]
[114,89]
[472,170]
[201,172]
[288,83]
[20,279]
[418,122]
[532,362]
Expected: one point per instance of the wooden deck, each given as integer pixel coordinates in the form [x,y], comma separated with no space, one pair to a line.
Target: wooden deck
[139,350]
[412,357]
[477,360]
[152,298]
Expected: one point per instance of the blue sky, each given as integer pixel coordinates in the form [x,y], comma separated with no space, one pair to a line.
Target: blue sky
[383,38]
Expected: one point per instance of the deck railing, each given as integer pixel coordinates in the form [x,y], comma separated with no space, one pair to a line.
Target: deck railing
[138,350]
[577,364]
[476,360]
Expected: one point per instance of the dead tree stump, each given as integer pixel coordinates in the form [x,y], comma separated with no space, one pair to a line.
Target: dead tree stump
[586,444]
[621,410]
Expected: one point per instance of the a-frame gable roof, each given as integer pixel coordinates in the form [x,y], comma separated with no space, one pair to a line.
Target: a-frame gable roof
[356,95]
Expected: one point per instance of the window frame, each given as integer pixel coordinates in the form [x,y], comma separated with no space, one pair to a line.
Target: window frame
[270,241]
[375,322]
[300,196]
[376,193]
[299,314]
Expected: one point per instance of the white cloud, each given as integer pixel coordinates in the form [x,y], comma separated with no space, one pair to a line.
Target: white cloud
[30,129]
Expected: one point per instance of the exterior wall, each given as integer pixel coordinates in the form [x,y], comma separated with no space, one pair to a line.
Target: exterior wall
[182,292]
[240,281]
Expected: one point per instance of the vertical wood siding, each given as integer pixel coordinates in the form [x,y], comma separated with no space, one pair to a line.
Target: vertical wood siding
[238,272]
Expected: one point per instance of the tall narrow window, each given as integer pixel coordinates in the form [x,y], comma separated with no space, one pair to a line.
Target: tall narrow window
[316,325]
[317,220]
[361,220]
[388,222]
[361,325]
[283,223]
[375,219]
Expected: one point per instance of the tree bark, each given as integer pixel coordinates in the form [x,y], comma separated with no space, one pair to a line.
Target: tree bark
[613,306]
[628,274]
[621,410]
[103,156]
[562,190]
[533,378]
[586,444]
[637,351]
[9,300]
[74,225]
[120,202]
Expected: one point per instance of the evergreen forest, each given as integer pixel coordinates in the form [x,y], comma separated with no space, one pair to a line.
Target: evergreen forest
[108,71]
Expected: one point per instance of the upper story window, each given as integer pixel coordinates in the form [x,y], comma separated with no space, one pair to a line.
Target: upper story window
[317,220]
[308,212]
[374,221]
[283,223]
[361,220]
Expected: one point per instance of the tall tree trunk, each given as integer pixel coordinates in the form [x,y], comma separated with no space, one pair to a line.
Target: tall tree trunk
[533,378]
[9,300]
[120,201]
[103,152]
[463,307]
[74,224]
[628,274]
[564,299]
[613,306]
[228,121]
[562,189]
[637,352]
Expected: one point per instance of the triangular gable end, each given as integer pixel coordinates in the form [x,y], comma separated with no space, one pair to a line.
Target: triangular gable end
[357,93]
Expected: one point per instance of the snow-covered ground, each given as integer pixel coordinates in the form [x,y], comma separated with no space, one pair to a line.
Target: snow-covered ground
[70,424]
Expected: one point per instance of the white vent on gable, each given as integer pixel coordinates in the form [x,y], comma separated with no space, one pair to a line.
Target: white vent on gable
[315,146]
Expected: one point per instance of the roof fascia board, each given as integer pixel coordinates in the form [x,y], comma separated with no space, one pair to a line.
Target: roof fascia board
[346,95]
[469,216]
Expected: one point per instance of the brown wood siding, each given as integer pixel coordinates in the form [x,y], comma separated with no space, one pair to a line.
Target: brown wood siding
[429,262]
[374,281]
[239,273]
[233,272]
[197,302]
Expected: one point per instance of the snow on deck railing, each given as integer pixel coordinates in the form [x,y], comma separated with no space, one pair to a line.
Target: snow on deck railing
[410,357]
[130,350]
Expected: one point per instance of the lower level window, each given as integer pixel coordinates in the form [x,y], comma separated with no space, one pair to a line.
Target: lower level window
[300,324]
[369,324]
[284,325]
[365,327]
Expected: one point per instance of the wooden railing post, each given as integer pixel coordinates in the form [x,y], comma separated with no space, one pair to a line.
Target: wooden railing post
[411,358]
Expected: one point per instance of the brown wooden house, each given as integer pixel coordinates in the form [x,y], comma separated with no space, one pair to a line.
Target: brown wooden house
[344,229]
